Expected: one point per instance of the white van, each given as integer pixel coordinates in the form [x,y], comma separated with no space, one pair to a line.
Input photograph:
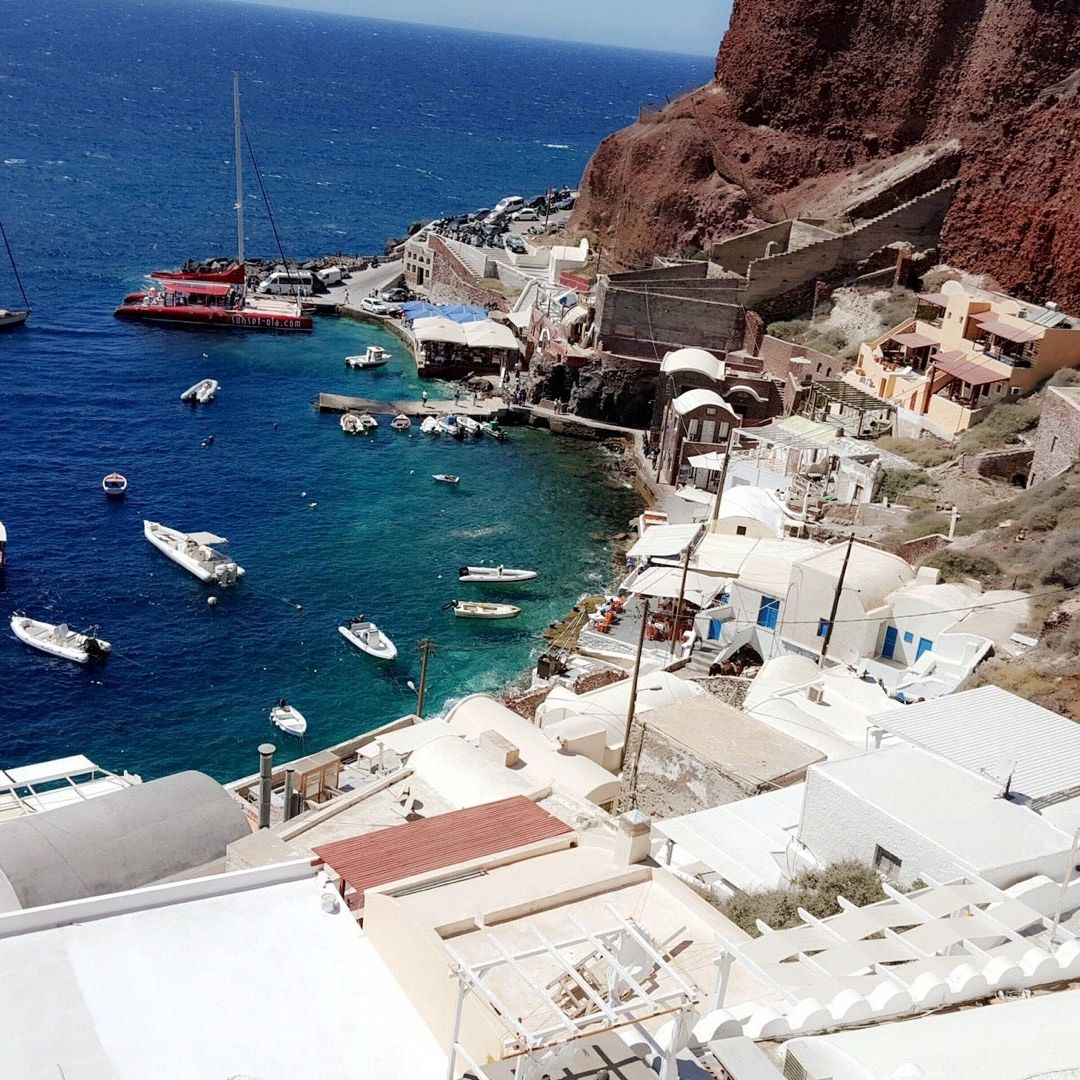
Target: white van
[287,283]
[508,205]
[332,275]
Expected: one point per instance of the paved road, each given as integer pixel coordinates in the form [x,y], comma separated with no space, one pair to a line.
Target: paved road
[363,281]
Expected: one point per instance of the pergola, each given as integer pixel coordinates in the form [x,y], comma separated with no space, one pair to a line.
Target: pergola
[840,404]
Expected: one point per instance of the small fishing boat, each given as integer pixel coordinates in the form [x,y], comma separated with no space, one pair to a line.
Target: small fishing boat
[59,640]
[368,423]
[445,478]
[8,319]
[401,422]
[469,426]
[448,425]
[471,609]
[193,552]
[494,575]
[430,426]
[491,427]
[201,393]
[288,717]
[114,484]
[350,424]
[367,637]
[373,357]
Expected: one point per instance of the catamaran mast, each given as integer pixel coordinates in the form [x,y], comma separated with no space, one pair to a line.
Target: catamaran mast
[14,268]
[238,154]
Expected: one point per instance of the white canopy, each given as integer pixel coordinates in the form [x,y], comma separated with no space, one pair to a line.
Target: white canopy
[207,538]
[663,540]
[488,334]
[439,328]
[664,581]
[696,360]
[696,399]
[713,460]
[695,495]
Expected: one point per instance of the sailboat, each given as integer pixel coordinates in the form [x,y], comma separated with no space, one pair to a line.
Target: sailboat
[216,300]
[10,319]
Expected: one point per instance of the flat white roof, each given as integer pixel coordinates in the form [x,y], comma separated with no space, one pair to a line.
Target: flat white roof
[954,808]
[1003,1041]
[257,981]
[987,730]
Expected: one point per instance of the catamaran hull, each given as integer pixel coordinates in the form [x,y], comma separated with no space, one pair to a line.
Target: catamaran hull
[213,319]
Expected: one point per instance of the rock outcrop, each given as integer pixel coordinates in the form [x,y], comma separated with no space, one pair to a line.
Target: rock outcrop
[814,99]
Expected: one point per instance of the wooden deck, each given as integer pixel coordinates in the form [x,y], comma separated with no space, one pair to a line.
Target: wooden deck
[486,409]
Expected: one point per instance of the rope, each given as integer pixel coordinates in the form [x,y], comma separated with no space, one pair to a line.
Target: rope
[269,212]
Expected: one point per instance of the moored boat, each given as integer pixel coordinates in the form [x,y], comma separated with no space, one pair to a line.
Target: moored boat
[3,546]
[368,423]
[114,484]
[468,425]
[350,424]
[194,553]
[10,319]
[59,640]
[401,422]
[448,425]
[494,575]
[373,357]
[367,637]
[446,478]
[289,718]
[471,609]
[202,392]
[491,427]
[430,425]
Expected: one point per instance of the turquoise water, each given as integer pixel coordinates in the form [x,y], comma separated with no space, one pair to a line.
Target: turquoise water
[116,161]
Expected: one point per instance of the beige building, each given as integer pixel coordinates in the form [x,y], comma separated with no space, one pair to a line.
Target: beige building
[964,351]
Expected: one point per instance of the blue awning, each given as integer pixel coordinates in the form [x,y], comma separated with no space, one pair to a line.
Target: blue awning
[459,313]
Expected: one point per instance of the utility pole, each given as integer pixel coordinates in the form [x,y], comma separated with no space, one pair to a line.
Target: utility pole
[714,513]
[425,650]
[633,688]
[682,594]
[835,603]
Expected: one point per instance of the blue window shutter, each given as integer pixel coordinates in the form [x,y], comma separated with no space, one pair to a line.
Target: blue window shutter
[822,627]
[909,637]
[768,612]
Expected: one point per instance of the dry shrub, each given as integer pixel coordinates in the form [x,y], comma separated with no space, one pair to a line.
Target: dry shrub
[1001,427]
[957,565]
[922,452]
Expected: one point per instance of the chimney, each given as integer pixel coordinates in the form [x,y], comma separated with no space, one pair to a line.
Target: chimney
[634,839]
[289,771]
[266,767]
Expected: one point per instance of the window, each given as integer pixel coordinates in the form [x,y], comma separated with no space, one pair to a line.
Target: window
[769,612]
[724,598]
[909,637]
[888,863]
[822,627]
[740,530]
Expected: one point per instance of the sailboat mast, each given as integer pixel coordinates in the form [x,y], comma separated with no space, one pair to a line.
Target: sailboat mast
[238,154]
[14,268]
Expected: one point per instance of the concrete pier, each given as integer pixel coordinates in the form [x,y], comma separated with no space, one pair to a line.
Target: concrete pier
[487,408]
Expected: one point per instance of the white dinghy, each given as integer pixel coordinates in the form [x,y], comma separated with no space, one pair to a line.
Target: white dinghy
[401,422]
[494,575]
[367,637]
[373,357]
[59,640]
[471,609]
[368,423]
[202,392]
[288,717]
[193,552]
[430,426]
[350,424]
[469,425]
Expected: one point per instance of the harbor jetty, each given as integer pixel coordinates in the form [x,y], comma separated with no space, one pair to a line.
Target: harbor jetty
[484,408]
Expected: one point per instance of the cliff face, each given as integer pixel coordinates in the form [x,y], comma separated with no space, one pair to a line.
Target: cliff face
[813,96]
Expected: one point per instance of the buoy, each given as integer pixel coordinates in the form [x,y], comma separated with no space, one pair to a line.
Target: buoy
[212,601]
[303,494]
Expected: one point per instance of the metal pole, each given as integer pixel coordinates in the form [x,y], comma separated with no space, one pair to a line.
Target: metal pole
[266,767]
[1064,887]
[452,1056]
[289,771]
[425,649]
[714,513]
[835,603]
[634,679]
[239,155]
[682,593]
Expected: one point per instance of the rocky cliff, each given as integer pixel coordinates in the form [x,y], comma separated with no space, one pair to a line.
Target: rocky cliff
[814,101]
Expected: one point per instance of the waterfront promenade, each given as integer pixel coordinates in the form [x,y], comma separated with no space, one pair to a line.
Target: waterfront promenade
[486,408]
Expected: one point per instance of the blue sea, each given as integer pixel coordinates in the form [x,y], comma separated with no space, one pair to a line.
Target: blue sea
[116,159]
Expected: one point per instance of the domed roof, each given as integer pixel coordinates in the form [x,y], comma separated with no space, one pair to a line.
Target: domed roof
[697,360]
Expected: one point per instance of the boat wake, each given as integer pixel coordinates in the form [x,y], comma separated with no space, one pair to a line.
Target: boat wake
[478,534]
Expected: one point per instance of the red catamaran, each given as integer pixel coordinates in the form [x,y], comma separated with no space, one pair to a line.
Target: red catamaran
[215,299]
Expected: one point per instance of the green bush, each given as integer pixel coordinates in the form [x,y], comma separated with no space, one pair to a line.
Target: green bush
[814,890]
[790,330]
[957,565]
[1001,427]
[896,483]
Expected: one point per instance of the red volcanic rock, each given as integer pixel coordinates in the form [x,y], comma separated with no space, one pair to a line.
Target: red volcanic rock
[811,94]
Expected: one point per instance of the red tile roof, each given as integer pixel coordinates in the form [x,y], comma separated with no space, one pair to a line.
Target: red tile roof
[433,843]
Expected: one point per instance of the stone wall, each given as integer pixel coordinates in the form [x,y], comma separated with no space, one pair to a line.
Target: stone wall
[730,689]
[1057,439]
[1010,465]
[452,281]
[914,551]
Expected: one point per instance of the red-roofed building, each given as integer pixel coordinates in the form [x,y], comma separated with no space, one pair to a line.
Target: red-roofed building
[418,847]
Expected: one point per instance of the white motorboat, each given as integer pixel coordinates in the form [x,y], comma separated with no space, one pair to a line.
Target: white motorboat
[59,640]
[367,637]
[368,423]
[288,717]
[374,356]
[350,424]
[494,575]
[430,425]
[194,553]
[448,425]
[471,609]
[445,478]
[469,426]
[114,484]
[202,392]
[401,422]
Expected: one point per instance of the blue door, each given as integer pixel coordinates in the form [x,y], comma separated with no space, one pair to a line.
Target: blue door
[716,629]
[888,646]
[925,645]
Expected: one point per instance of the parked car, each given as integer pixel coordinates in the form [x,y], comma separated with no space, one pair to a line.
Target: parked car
[476,215]
[375,306]
[394,296]
[515,244]
[528,214]
[565,204]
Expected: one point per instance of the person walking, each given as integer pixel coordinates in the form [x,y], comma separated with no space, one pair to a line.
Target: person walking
[423,398]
